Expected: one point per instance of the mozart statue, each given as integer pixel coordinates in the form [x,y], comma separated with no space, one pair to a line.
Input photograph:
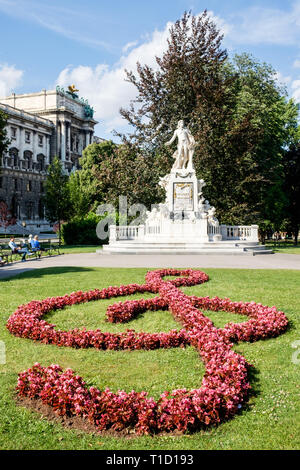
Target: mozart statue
[185,148]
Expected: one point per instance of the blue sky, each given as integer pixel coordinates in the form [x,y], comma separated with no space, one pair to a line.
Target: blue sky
[89,43]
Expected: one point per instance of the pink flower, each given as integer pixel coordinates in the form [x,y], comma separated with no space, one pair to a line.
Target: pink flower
[225,384]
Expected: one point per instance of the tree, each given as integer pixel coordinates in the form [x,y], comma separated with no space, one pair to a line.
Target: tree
[292,189]
[79,198]
[57,196]
[93,156]
[237,112]
[110,170]
[6,217]
[128,172]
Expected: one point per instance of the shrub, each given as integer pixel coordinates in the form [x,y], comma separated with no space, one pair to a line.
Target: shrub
[82,231]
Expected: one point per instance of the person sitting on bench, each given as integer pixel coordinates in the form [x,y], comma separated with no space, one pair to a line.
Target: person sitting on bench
[35,245]
[15,249]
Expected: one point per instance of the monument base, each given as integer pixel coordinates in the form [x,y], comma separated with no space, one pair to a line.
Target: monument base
[172,247]
[184,223]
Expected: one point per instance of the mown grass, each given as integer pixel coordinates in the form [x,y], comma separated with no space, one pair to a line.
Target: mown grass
[269,421]
[284,246]
[72,249]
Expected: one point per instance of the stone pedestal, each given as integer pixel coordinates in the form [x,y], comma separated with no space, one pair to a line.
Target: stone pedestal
[184,223]
[185,215]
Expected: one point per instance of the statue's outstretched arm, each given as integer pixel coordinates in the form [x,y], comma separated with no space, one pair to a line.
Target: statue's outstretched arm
[172,140]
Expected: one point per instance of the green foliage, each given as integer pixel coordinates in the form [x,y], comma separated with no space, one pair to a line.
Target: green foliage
[81,231]
[57,195]
[109,171]
[79,198]
[292,189]
[93,156]
[236,110]
[269,421]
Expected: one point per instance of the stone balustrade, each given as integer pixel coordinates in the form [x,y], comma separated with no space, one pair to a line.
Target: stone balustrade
[239,232]
[227,232]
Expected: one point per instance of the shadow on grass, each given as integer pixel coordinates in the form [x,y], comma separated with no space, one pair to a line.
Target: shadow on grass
[40,272]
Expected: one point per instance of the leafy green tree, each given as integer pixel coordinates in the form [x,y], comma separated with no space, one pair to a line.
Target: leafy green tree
[109,171]
[292,189]
[128,172]
[57,194]
[79,198]
[92,158]
[236,110]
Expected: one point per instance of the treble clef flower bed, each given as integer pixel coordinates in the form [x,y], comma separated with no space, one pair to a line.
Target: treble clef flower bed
[225,385]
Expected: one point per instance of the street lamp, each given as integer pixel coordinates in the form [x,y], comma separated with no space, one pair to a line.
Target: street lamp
[23,225]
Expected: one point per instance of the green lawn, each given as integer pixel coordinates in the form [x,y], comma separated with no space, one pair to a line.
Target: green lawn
[284,246]
[71,249]
[269,421]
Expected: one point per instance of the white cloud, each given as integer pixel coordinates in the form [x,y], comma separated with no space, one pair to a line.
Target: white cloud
[283,80]
[296,64]
[262,25]
[224,27]
[128,46]
[10,78]
[105,87]
[296,90]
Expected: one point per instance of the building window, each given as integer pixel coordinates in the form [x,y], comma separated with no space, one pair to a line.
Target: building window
[27,137]
[28,159]
[13,153]
[41,187]
[29,187]
[1,182]
[13,132]
[41,160]
[16,184]
[41,140]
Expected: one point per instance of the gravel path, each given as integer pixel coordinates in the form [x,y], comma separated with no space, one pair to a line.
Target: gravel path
[275,261]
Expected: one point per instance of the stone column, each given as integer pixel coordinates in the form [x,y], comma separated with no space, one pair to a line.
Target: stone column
[63,141]
[58,137]
[91,137]
[34,146]
[86,138]
[21,144]
[69,137]
[47,150]
[223,229]
[254,233]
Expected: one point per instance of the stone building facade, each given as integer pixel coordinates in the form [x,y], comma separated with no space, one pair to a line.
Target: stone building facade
[39,127]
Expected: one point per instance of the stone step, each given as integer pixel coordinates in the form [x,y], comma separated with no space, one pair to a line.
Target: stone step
[129,244]
[175,250]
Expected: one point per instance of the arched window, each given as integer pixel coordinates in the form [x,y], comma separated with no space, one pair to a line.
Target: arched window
[13,153]
[41,160]
[28,159]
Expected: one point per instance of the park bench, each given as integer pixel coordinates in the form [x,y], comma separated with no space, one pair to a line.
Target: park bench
[5,254]
[14,256]
[49,247]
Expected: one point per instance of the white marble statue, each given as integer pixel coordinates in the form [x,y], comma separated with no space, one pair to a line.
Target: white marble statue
[185,147]
[212,216]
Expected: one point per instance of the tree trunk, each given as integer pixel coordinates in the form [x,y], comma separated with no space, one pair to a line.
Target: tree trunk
[295,233]
[262,236]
